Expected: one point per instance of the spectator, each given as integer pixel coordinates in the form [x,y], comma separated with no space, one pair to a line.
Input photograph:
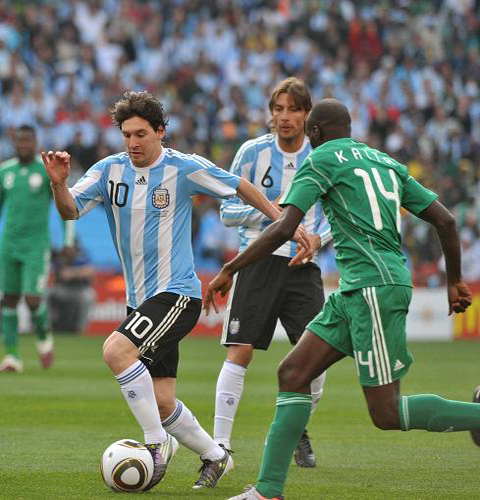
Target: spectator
[409,75]
[72,295]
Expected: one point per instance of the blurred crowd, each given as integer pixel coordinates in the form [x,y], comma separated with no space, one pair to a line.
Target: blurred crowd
[409,71]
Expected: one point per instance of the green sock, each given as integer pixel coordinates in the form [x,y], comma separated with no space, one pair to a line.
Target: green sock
[40,321]
[10,331]
[435,414]
[291,417]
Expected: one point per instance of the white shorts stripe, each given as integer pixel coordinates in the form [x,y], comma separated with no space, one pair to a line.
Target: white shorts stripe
[166,323]
[382,336]
[375,341]
[170,318]
[376,347]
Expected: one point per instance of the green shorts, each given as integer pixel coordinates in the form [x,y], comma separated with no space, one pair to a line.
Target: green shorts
[24,273]
[369,325]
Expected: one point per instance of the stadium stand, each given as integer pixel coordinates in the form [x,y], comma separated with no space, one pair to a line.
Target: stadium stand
[409,71]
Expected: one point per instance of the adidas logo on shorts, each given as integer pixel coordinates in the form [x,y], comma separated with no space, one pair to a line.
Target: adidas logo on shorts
[398,365]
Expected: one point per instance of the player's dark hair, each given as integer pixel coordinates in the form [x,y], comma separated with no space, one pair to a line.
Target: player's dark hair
[142,104]
[27,128]
[296,89]
[330,113]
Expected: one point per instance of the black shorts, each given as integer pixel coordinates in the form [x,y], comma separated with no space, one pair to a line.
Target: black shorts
[269,290]
[156,328]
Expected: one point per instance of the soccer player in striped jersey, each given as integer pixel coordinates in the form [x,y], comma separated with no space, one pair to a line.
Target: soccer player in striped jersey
[270,290]
[362,190]
[147,194]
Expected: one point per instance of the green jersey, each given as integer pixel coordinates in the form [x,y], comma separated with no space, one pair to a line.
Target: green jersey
[361,190]
[25,197]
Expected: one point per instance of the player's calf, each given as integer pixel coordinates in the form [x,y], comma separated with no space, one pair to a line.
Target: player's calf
[383,405]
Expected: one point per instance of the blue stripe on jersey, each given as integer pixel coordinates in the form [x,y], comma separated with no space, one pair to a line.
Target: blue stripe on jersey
[276,174]
[182,263]
[318,217]
[128,177]
[108,211]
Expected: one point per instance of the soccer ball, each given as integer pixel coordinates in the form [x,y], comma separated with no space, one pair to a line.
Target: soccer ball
[126,466]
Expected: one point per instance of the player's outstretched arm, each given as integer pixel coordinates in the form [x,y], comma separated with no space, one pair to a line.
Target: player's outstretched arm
[251,195]
[269,240]
[57,166]
[459,295]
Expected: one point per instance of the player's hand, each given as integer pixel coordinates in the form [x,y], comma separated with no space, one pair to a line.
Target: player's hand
[302,254]
[221,283]
[459,297]
[57,165]
[302,238]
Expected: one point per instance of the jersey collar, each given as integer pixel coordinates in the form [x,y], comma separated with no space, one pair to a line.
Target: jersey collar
[305,143]
[153,165]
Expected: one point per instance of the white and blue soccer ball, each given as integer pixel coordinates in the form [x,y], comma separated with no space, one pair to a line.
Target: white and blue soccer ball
[126,466]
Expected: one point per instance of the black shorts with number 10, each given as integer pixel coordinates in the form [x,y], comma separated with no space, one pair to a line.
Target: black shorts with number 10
[157,326]
[267,291]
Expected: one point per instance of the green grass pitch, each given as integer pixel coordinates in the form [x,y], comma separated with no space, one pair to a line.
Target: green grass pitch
[55,425]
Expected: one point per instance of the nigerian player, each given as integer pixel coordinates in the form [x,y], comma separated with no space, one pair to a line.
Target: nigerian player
[362,191]
[25,197]
[270,290]
[147,194]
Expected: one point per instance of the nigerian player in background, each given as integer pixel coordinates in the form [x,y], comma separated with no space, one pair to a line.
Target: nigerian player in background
[362,191]
[147,194]
[270,290]
[25,197]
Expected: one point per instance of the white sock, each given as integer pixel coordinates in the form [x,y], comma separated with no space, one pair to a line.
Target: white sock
[185,427]
[137,388]
[316,388]
[228,395]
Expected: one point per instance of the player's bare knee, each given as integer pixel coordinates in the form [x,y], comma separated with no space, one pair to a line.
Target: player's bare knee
[33,302]
[109,353]
[240,354]
[10,301]
[385,419]
[118,352]
[290,377]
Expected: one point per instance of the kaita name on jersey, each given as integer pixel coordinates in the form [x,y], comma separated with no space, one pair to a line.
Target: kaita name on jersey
[369,154]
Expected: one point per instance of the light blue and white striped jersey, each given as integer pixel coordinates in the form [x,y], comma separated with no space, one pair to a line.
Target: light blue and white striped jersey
[264,164]
[149,211]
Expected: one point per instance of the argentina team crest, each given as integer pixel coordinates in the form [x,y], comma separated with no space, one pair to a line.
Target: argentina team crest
[160,197]
[234,326]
